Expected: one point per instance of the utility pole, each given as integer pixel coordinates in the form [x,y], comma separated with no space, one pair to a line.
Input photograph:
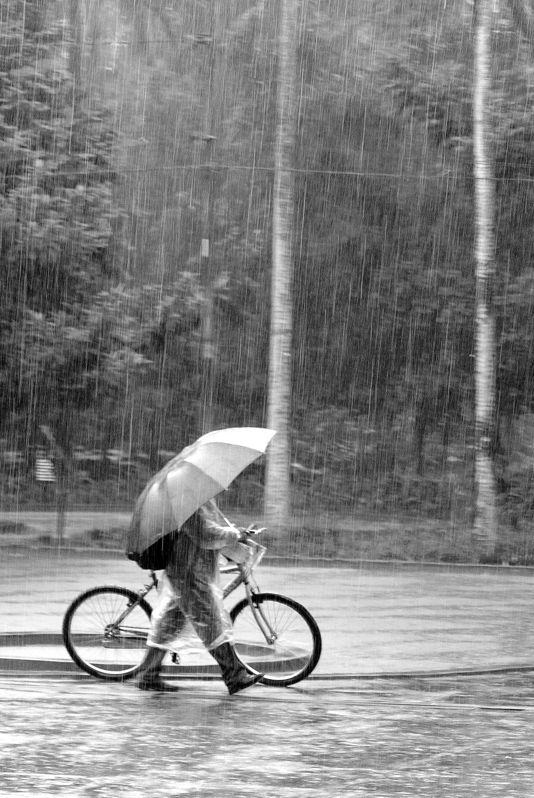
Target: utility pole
[206,140]
[76,19]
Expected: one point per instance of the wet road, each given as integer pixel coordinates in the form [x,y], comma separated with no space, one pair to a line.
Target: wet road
[439,738]
[346,736]
[372,620]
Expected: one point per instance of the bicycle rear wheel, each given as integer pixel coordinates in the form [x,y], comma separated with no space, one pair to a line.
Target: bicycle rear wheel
[279,638]
[105,631]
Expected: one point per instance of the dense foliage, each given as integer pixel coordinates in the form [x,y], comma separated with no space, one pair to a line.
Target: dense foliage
[106,187]
[57,214]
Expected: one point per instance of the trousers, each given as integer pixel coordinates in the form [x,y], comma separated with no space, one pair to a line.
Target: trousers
[191,591]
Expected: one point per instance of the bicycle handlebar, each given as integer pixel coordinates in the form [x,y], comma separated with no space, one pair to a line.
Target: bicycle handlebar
[253,530]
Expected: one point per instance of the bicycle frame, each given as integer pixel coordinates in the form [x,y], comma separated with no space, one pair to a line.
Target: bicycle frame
[244,575]
[274,636]
[244,571]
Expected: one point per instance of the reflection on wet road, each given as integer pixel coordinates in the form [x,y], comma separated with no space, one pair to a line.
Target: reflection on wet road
[425,737]
[372,620]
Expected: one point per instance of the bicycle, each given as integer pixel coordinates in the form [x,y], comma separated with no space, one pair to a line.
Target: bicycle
[105,628]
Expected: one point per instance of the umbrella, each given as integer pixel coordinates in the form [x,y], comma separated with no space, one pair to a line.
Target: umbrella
[190,479]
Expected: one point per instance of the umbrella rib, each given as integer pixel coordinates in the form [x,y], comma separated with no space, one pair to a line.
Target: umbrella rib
[201,474]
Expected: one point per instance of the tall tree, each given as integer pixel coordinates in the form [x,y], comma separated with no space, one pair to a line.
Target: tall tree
[485,525]
[277,503]
[56,212]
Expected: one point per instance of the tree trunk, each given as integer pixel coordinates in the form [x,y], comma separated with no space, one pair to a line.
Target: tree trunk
[277,488]
[485,524]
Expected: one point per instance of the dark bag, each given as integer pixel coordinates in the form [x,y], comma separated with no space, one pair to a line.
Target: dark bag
[157,556]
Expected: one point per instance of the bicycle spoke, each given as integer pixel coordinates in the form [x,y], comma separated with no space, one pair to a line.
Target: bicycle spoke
[295,649]
[96,639]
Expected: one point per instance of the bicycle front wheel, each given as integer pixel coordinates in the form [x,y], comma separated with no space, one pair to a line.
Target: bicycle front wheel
[278,637]
[105,631]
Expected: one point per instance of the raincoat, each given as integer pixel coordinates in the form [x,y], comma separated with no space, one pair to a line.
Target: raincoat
[190,586]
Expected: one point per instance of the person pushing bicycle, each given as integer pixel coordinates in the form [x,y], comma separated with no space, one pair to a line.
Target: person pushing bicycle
[191,591]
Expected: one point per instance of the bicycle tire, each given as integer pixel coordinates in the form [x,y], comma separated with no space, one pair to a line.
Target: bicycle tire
[94,644]
[297,649]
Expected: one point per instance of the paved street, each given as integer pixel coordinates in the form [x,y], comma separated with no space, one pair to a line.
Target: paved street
[392,620]
[467,738]
[421,729]
[45,521]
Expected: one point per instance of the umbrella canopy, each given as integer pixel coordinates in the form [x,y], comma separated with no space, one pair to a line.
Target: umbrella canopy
[190,479]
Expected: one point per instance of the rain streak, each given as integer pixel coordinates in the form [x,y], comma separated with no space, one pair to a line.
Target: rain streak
[266,411]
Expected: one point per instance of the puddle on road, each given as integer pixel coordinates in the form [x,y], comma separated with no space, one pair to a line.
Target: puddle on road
[81,738]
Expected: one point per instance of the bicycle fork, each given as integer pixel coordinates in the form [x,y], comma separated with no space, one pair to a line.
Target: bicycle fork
[259,616]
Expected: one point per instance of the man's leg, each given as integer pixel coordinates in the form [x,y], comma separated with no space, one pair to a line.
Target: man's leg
[149,676]
[166,623]
[235,675]
[194,576]
[212,623]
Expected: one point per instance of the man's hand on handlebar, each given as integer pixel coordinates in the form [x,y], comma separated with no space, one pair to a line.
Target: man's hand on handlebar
[250,531]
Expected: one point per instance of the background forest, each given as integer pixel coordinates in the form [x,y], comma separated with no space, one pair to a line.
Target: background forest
[105,161]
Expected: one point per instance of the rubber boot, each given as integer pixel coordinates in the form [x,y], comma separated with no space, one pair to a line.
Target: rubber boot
[149,676]
[235,675]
